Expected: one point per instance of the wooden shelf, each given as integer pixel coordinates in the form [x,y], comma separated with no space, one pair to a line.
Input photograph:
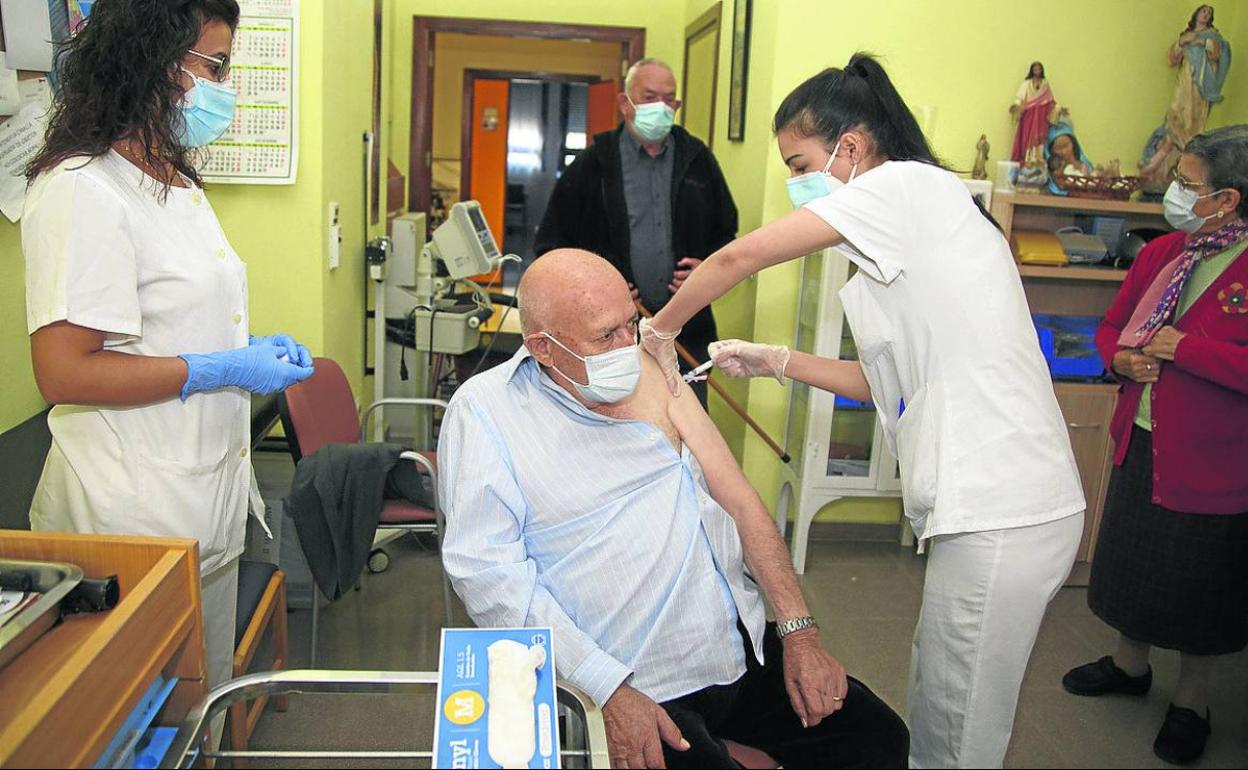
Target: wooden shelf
[1072,273]
[1094,205]
[68,694]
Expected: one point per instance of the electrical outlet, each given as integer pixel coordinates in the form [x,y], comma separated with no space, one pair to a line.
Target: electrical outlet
[335,237]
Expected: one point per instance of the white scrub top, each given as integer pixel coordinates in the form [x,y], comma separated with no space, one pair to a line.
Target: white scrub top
[159,278]
[940,320]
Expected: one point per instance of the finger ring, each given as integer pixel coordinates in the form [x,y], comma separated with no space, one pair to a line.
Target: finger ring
[837,698]
[1148,367]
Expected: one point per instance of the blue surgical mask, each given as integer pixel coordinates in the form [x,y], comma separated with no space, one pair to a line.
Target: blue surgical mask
[612,375]
[1178,205]
[207,112]
[816,184]
[652,121]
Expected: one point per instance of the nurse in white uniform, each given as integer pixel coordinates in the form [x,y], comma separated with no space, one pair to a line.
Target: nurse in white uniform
[941,324]
[136,304]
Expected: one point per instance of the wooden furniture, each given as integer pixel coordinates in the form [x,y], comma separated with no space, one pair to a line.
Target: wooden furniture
[1086,291]
[66,697]
[261,609]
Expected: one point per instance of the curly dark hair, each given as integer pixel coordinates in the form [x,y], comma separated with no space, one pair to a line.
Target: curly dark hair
[119,79]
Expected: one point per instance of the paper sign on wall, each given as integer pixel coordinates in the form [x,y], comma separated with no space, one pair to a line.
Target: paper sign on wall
[27,34]
[21,136]
[261,147]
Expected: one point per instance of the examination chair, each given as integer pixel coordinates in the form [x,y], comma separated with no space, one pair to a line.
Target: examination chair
[321,410]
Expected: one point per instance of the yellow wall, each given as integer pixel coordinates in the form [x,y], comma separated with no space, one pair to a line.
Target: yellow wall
[963,60]
[19,398]
[1232,19]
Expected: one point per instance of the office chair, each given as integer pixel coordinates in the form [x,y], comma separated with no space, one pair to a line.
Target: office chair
[321,410]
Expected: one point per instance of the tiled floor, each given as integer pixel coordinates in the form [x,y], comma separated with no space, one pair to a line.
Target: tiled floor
[865,595]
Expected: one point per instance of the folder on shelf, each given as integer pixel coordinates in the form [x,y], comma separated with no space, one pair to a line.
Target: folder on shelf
[1038,247]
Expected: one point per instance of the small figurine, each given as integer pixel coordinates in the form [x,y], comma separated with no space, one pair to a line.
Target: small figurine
[980,171]
[1203,57]
[1036,109]
[1063,155]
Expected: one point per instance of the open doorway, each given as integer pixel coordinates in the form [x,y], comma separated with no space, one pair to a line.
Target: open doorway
[460,65]
[521,131]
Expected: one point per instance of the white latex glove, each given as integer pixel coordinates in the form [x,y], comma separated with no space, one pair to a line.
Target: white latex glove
[662,348]
[738,358]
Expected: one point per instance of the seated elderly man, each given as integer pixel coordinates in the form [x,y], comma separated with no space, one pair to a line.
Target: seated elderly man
[581,495]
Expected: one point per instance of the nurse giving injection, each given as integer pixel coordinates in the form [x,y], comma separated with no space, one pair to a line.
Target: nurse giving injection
[136,303]
[941,324]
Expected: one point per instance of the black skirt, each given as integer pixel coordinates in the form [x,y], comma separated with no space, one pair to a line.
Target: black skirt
[1171,579]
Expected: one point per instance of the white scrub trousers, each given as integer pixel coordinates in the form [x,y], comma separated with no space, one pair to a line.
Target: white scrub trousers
[219,593]
[983,601]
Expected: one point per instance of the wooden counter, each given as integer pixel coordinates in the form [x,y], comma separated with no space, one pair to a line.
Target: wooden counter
[66,696]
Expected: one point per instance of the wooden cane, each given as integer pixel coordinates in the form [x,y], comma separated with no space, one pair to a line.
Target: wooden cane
[728,399]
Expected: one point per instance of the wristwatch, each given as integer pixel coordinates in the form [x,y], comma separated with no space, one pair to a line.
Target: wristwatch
[793,625]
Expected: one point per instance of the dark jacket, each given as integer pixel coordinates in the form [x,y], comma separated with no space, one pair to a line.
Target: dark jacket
[587,211]
[335,501]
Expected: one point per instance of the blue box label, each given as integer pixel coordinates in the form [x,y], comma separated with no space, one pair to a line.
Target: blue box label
[496,699]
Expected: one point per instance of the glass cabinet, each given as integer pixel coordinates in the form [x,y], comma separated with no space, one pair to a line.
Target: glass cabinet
[837,444]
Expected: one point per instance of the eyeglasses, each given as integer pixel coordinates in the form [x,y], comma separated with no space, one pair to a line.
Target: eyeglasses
[1184,183]
[219,65]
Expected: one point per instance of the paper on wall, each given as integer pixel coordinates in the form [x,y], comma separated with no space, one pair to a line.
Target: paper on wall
[27,34]
[37,91]
[10,99]
[21,136]
[261,147]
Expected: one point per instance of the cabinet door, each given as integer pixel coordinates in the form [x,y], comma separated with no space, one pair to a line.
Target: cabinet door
[1088,409]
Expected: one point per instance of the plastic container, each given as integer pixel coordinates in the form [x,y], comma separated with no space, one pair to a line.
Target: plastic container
[1069,346]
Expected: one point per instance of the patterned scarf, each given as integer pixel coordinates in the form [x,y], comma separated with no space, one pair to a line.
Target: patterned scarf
[1170,281]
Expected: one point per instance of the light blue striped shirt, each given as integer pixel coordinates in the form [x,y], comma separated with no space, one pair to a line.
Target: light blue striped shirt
[597,527]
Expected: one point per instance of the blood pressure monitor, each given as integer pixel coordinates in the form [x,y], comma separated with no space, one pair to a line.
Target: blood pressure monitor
[464,242]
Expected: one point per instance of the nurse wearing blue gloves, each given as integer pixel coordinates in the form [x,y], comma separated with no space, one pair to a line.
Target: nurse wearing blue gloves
[136,304]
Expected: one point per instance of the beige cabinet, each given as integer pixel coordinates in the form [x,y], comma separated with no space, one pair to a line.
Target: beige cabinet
[1087,409]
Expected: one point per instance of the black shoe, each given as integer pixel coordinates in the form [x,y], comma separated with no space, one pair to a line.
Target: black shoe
[1103,678]
[1182,736]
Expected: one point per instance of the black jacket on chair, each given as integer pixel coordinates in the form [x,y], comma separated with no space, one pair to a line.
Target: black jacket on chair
[587,211]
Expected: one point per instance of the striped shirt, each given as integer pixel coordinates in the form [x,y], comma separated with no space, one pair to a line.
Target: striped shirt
[597,527]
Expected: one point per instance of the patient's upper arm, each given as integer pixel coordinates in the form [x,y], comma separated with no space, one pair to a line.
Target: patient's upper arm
[723,475]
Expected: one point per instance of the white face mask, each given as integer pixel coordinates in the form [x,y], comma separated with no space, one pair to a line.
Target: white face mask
[1179,208]
[816,184]
[612,375]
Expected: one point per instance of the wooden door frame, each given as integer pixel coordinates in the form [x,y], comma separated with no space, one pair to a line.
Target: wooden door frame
[467,111]
[424,30]
[699,27]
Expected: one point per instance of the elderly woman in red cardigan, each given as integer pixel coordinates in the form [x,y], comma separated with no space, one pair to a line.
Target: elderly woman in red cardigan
[1171,562]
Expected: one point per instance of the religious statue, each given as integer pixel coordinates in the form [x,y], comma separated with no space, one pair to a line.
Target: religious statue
[980,171]
[1036,109]
[1203,57]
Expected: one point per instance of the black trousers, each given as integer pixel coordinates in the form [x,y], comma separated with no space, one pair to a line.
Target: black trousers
[755,711]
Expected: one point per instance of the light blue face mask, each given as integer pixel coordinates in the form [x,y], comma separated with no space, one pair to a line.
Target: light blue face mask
[813,185]
[207,112]
[652,121]
[612,375]
[1178,205]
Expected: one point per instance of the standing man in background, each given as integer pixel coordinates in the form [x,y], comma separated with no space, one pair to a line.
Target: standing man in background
[648,197]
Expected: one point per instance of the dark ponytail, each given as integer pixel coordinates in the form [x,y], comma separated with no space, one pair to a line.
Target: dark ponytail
[860,97]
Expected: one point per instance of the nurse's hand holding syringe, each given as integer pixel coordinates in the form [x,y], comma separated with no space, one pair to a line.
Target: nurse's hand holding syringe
[738,358]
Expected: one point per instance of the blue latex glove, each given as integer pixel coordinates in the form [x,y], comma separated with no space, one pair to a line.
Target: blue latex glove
[296,354]
[256,368]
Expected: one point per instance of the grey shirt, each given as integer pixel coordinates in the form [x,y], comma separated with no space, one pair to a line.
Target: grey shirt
[648,195]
